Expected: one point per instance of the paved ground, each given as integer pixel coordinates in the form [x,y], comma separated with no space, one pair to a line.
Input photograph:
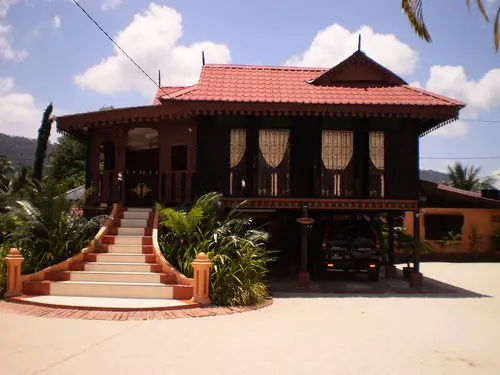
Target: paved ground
[379,334]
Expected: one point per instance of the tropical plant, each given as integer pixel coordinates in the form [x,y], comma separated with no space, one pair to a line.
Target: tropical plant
[4,250]
[42,141]
[48,232]
[451,239]
[67,162]
[237,250]
[6,171]
[467,178]
[413,9]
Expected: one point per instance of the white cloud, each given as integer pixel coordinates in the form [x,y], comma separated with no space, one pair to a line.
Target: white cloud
[110,4]
[56,22]
[151,39]
[7,52]
[452,81]
[335,43]
[4,6]
[20,115]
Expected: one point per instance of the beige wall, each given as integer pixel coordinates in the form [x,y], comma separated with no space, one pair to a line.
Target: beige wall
[482,218]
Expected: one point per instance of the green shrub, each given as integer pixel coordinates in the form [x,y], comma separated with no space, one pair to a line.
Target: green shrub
[238,251]
[4,250]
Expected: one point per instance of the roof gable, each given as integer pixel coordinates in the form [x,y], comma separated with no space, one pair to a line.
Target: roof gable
[358,68]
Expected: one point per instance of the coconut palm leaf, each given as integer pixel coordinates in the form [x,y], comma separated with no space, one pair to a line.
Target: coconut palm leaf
[413,9]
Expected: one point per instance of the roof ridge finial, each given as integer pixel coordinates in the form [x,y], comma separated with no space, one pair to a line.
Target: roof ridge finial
[359,42]
[203,57]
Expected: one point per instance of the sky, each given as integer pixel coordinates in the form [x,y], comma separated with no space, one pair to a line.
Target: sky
[51,52]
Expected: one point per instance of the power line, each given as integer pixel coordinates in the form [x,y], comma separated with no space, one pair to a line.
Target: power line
[479,120]
[464,158]
[117,46]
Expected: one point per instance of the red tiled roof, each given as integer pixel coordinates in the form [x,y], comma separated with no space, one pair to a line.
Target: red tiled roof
[167,90]
[459,192]
[281,84]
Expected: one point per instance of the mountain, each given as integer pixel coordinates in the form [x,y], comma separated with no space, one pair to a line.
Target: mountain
[434,176]
[20,150]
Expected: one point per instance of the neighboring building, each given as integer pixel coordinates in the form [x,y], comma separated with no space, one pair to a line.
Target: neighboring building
[290,141]
[475,216]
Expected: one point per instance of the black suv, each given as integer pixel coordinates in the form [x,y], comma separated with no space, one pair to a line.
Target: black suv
[351,246]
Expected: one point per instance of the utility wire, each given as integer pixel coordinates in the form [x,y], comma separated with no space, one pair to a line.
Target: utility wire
[464,158]
[117,46]
[478,120]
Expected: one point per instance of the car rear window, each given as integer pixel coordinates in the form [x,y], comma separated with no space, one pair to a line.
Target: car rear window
[338,231]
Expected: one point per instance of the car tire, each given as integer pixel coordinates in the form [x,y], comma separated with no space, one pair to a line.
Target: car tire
[373,276]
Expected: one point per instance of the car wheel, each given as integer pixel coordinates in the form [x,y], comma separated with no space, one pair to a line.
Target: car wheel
[373,276]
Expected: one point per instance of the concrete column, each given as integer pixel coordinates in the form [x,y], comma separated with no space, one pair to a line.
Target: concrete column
[202,267]
[14,286]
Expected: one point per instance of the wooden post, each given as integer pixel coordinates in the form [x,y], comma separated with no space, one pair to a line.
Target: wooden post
[201,267]
[416,278]
[390,269]
[14,286]
[304,278]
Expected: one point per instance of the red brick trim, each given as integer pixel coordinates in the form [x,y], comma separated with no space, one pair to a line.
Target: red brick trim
[23,307]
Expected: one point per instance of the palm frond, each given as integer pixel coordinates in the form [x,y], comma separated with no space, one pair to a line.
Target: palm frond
[413,10]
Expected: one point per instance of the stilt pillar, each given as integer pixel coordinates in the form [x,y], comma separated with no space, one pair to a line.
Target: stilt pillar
[304,278]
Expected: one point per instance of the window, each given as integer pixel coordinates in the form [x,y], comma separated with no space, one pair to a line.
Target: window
[178,158]
[336,153]
[274,162]
[377,164]
[237,170]
[438,227]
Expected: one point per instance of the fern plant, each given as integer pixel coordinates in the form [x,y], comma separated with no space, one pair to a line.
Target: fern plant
[238,251]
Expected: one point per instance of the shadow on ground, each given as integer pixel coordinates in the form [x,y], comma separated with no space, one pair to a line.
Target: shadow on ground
[355,285]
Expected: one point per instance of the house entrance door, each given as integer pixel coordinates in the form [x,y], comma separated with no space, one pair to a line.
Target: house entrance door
[141,178]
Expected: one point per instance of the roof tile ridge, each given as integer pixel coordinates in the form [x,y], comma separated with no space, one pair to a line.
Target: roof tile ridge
[434,95]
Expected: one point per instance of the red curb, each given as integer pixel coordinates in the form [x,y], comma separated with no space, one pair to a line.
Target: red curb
[123,315]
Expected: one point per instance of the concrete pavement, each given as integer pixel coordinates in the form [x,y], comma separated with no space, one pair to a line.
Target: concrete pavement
[326,335]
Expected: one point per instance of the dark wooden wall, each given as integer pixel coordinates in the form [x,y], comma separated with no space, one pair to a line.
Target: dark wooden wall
[401,153]
[402,161]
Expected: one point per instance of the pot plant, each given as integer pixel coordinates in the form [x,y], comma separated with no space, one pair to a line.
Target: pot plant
[404,243]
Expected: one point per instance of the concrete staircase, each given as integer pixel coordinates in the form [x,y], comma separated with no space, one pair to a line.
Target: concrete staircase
[124,267]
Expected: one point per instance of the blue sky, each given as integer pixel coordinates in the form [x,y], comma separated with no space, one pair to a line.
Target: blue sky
[50,51]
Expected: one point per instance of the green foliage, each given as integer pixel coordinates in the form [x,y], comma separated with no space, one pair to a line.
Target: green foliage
[42,141]
[450,240]
[4,250]
[467,178]
[47,232]
[20,150]
[237,250]
[67,162]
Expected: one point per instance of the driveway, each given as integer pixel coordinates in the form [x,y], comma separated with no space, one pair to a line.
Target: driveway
[400,334]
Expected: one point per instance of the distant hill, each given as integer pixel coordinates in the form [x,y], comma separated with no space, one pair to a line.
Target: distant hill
[434,176]
[20,150]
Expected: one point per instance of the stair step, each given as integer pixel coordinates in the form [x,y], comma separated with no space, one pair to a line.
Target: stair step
[129,249]
[137,215]
[115,266]
[127,240]
[139,209]
[134,223]
[111,276]
[108,289]
[120,258]
[130,231]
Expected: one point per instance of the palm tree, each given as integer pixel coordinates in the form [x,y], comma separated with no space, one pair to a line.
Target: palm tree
[6,171]
[414,12]
[467,178]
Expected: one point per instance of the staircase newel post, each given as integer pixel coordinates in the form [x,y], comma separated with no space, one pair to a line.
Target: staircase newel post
[201,266]
[14,286]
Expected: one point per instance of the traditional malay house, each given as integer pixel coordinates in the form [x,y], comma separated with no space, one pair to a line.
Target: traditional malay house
[293,142]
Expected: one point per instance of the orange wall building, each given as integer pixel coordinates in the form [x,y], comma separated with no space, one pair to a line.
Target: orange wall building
[475,216]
